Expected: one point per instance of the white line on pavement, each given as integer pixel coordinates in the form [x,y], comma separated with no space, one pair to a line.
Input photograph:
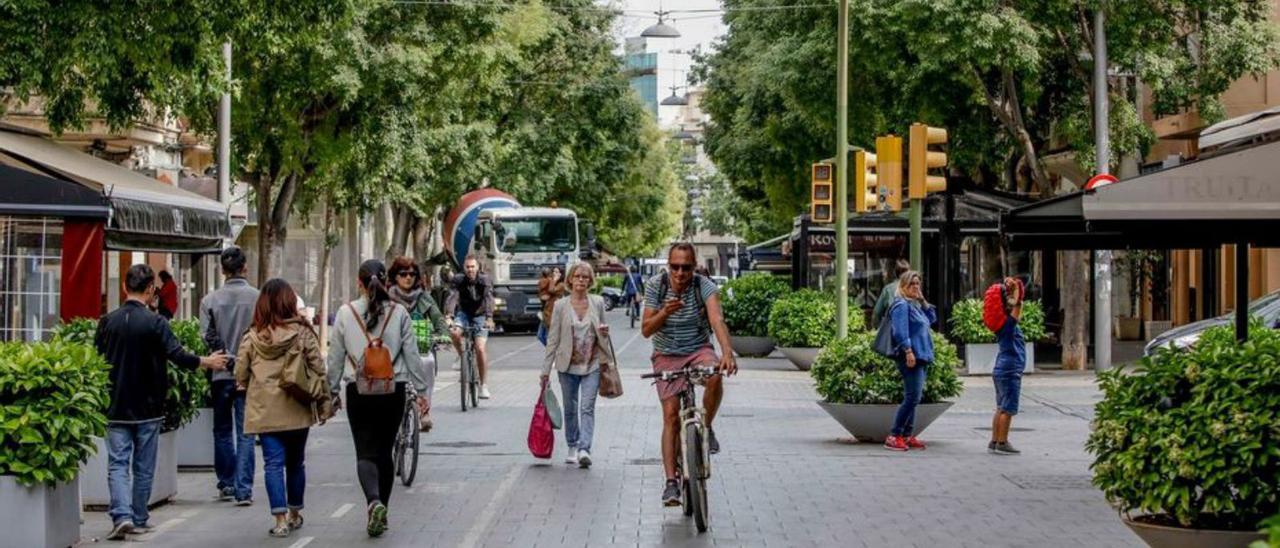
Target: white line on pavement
[302,542]
[514,352]
[190,513]
[342,510]
[442,386]
[491,510]
[629,341]
[169,524]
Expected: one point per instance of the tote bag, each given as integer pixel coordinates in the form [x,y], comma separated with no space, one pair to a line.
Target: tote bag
[542,439]
[552,403]
[610,379]
[884,338]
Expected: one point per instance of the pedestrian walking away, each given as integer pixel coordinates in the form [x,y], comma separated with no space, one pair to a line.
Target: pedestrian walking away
[375,335]
[682,310]
[138,344]
[225,316]
[471,304]
[1011,362]
[550,288]
[412,291]
[280,348]
[910,317]
[577,345]
[889,292]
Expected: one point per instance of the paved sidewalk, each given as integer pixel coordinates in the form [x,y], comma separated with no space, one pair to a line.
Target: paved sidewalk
[788,476]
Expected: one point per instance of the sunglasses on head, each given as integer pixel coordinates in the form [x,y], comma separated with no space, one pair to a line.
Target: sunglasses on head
[681,267]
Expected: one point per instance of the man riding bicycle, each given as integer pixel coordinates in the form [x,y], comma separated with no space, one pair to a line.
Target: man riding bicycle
[470,304]
[631,290]
[680,313]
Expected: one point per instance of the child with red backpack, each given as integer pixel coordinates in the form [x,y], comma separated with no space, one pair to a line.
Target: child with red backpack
[1001,312]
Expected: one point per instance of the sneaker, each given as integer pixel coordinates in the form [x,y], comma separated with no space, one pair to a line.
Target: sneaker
[671,494]
[991,447]
[1004,448]
[426,423]
[914,443]
[713,444]
[295,522]
[895,443]
[120,530]
[244,502]
[572,457]
[584,459]
[226,494]
[377,519]
[484,392]
[141,529]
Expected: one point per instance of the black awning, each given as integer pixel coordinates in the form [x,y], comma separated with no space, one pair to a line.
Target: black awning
[25,193]
[138,225]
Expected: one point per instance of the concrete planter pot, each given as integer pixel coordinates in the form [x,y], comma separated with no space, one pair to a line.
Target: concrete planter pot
[1163,536]
[1155,328]
[195,441]
[39,516]
[801,357]
[752,347]
[872,422]
[980,359]
[94,492]
[1128,328]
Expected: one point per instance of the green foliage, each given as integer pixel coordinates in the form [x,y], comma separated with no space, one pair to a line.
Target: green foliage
[1032,322]
[807,319]
[79,331]
[54,400]
[611,280]
[849,371]
[967,326]
[1194,434]
[747,300]
[188,388]
[1272,527]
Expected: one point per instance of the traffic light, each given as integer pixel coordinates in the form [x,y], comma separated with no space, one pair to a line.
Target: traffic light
[864,182]
[823,192]
[889,168]
[922,160]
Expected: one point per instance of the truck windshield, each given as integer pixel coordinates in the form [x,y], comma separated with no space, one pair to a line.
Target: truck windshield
[553,234]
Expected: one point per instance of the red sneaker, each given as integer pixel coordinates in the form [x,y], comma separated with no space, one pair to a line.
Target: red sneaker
[913,443]
[895,443]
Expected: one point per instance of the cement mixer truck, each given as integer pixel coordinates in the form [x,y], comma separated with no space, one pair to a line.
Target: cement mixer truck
[513,244]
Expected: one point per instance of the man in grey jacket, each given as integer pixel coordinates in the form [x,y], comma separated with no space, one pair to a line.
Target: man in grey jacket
[225,316]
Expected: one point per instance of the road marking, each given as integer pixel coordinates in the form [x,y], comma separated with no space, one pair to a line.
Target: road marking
[342,510]
[169,524]
[514,352]
[629,341]
[190,513]
[491,510]
[302,542]
[442,386]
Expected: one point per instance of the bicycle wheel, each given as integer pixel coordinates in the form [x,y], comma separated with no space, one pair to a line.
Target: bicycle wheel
[463,376]
[697,486]
[474,382]
[634,314]
[407,447]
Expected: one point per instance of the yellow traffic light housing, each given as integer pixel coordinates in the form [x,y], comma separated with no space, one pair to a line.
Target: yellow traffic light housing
[922,160]
[822,193]
[889,169]
[864,182]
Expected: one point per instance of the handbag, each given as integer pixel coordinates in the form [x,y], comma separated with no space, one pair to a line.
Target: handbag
[610,378]
[542,439]
[884,338]
[552,403]
[298,380]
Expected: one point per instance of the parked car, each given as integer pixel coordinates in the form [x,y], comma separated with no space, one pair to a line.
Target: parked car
[720,280]
[612,297]
[1265,308]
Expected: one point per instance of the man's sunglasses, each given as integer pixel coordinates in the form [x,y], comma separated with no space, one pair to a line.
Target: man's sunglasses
[681,267]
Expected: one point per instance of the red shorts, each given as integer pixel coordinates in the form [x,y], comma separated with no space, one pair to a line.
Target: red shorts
[705,356]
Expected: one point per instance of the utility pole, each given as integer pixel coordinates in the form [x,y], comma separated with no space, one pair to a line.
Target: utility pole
[842,172]
[1102,151]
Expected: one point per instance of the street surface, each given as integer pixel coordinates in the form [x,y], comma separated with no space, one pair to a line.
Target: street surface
[788,474]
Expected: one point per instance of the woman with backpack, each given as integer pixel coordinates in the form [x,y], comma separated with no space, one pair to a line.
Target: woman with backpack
[910,317]
[411,291]
[281,369]
[375,336]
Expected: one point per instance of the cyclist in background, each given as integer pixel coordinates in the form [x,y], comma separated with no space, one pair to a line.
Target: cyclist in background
[470,304]
[632,292]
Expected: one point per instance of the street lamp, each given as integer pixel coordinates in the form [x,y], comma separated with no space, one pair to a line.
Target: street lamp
[661,29]
[675,100]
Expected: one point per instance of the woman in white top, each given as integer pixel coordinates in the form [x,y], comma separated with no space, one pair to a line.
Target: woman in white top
[577,343]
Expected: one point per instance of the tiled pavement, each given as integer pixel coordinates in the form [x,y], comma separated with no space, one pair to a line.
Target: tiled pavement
[788,475]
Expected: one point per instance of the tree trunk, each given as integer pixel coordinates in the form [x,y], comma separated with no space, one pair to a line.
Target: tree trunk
[262,190]
[325,278]
[403,219]
[1075,299]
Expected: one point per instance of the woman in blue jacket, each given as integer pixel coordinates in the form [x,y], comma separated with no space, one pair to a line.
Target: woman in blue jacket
[910,316]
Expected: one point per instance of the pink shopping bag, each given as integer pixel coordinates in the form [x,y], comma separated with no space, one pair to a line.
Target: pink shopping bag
[542,439]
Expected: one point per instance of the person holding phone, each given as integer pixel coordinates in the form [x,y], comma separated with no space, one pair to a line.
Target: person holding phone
[1011,361]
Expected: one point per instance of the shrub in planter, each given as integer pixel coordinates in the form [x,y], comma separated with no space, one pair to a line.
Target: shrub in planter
[967,326]
[602,282]
[807,319]
[54,396]
[1191,437]
[746,302]
[849,371]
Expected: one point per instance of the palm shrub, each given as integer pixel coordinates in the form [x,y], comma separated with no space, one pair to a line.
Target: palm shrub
[1192,437]
[850,371]
[807,319]
[53,398]
[967,326]
[746,302]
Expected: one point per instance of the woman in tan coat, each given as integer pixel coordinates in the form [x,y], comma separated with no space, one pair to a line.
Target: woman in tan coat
[278,339]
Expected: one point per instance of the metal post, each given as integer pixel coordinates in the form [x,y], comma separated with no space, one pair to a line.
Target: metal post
[1242,291]
[842,172]
[917,262]
[1102,148]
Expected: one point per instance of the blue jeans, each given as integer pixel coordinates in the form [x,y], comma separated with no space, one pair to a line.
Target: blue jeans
[131,448]
[232,455]
[580,408]
[465,320]
[283,451]
[904,421]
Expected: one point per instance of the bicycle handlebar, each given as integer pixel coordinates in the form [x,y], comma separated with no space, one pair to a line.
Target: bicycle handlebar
[694,373]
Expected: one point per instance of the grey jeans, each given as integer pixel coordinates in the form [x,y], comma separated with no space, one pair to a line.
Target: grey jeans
[579,393]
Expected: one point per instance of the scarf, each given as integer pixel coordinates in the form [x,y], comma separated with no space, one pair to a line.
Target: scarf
[407,298]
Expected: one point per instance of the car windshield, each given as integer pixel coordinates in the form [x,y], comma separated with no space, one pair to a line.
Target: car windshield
[533,234]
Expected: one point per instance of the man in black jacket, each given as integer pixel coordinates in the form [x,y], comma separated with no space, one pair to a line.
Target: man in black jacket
[138,343]
[471,304]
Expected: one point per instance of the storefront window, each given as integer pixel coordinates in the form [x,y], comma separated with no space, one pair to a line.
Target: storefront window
[30,277]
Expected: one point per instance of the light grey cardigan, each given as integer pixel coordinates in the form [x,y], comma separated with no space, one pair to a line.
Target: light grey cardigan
[348,339]
[560,335]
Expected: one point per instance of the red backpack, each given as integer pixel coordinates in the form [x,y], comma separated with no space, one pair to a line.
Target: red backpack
[995,308]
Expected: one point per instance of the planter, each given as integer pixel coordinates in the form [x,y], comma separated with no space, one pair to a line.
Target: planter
[801,357]
[980,359]
[872,422]
[94,492]
[1155,328]
[195,441]
[752,347]
[1163,536]
[1128,329]
[40,516]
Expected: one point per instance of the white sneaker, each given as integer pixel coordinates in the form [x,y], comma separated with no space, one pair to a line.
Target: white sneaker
[484,391]
[584,458]
[572,457]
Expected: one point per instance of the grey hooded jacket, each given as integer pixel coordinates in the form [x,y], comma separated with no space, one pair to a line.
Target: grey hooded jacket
[225,316]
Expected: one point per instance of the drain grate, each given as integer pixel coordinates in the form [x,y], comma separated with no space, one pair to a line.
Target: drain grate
[645,462]
[461,444]
[1050,482]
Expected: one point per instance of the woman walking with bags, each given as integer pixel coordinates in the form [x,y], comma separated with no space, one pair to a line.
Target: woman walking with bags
[910,315]
[375,335]
[410,291]
[281,369]
[577,346]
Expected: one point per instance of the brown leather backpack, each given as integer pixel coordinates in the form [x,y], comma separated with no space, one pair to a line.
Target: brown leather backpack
[376,375]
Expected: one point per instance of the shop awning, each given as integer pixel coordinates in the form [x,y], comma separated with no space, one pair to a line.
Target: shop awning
[146,214]
[24,192]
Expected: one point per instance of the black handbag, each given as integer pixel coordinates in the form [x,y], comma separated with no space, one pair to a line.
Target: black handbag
[884,338]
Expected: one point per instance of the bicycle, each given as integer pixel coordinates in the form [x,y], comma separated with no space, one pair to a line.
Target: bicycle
[469,376]
[633,311]
[407,439]
[693,464]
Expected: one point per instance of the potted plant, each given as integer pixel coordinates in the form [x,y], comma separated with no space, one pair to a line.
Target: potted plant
[746,302]
[803,322]
[861,389]
[1186,445]
[54,395]
[194,435]
[980,343]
